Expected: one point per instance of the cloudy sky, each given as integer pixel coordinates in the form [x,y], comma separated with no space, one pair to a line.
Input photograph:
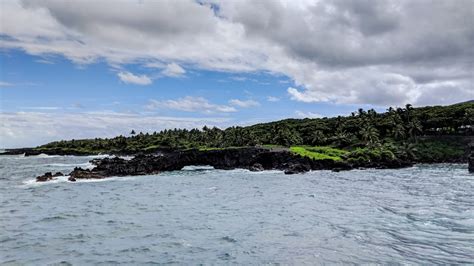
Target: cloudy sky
[76,69]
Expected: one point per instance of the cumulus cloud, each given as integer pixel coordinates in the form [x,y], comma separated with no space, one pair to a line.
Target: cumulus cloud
[34,128]
[131,78]
[302,114]
[273,99]
[371,52]
[244,103]
[191,104]
[173,70]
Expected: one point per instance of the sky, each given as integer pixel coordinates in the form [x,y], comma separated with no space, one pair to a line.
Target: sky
[85,69]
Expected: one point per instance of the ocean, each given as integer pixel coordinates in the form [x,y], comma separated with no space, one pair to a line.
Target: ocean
[199,215]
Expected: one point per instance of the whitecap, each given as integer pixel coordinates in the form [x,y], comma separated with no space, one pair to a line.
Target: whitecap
[197,168]
[87,165]
[33,183]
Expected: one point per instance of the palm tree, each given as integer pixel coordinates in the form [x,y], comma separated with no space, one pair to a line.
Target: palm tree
[370,135]
[407,151]
[341,138]
[318,138]
[414,128]
[399,131]
[408,109]
[372,113]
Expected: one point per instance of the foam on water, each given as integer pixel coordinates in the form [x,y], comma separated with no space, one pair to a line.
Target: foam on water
[32,182]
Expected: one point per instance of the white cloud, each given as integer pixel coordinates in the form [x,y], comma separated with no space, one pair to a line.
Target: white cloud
[173,70]
[238,78]
[371,52]
[191,104]
[273,99]
[34,128]
[43,108]
[244,103]
[302,114]
[5,84]
[131,78]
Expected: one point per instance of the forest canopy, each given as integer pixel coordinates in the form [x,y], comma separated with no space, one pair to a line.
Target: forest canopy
[362,129]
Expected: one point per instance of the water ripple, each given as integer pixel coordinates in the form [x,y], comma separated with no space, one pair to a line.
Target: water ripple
[418,215]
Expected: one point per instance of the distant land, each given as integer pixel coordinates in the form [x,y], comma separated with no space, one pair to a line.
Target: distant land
[425,134]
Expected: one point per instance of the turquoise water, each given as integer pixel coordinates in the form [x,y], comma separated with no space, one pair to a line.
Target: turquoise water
[422,214]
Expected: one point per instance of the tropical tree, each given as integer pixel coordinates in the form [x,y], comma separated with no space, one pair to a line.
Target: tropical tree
[407,151]
[369,135]
[414,128]
[399,131]
[318,138]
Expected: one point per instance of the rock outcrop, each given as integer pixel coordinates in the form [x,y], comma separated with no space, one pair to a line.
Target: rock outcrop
[254,159]
[48,176]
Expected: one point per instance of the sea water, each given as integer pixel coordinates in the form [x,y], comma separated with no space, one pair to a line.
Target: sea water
[423,214]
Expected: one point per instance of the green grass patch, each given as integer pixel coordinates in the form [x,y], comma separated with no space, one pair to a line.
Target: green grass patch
[319,153]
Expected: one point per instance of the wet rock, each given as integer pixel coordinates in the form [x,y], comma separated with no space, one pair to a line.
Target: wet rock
[256,167]
[46,177]
[471,164]
[297,169]
[470,159]
[253,158]
[79,173]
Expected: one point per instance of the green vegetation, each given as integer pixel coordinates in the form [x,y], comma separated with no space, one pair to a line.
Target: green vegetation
[439,150]
[365,156]
[319,153]
[407,133]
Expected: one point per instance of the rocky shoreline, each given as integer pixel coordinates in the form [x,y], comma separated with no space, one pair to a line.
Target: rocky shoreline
[253,159]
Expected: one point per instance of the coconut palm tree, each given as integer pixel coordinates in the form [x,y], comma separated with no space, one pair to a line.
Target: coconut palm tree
[414,128]
[407,151]
[399,131]
[369,134]
[318,138]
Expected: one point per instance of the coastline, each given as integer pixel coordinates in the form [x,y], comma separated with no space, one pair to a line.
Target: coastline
[252,158]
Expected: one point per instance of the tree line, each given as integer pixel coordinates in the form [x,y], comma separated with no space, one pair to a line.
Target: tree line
[363,128]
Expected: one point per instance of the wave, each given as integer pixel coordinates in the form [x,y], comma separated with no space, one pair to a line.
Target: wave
[197,168]
[32,182]
[87,165]
[64,179]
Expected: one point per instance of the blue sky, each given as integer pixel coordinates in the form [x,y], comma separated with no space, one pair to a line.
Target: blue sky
[82,69]
[55,85]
